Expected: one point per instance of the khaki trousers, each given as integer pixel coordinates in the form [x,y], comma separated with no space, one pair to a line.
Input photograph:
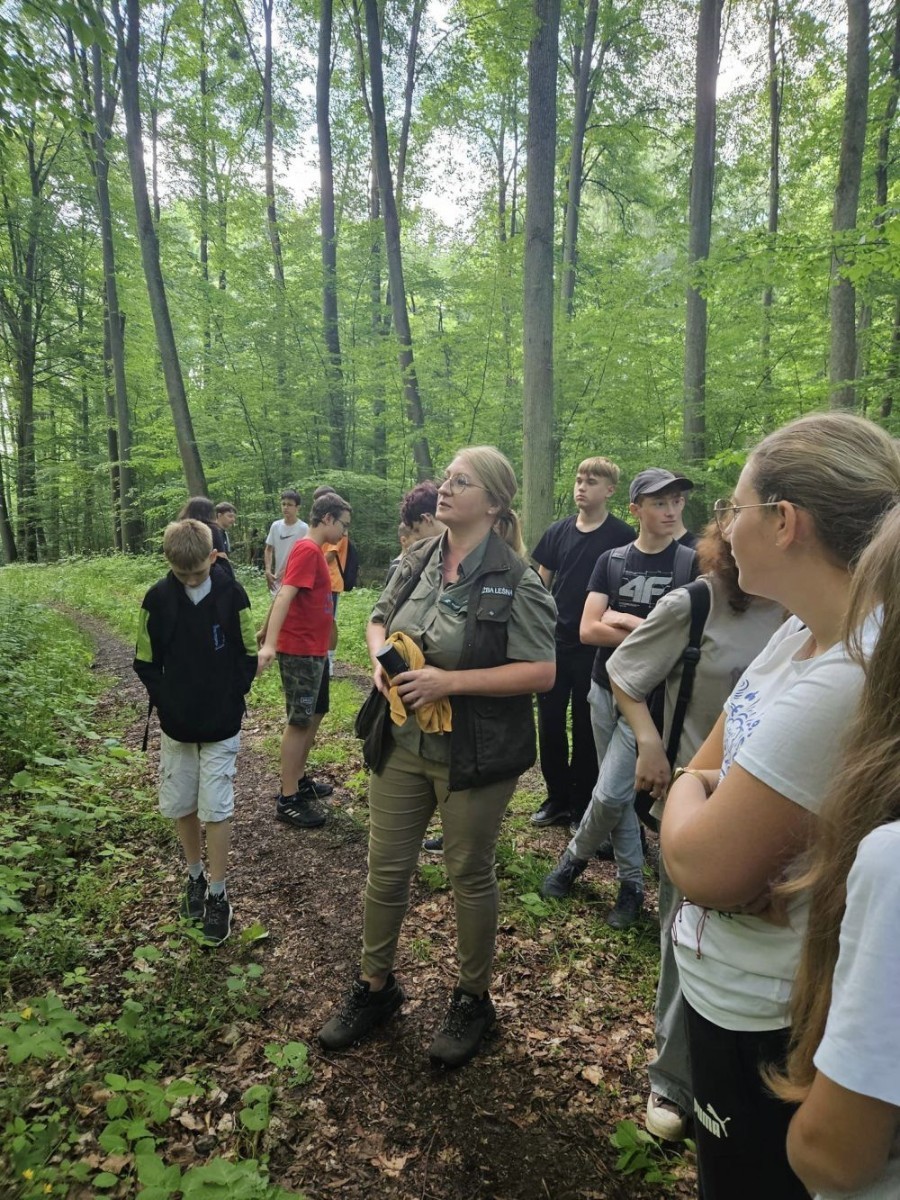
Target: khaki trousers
[402,799]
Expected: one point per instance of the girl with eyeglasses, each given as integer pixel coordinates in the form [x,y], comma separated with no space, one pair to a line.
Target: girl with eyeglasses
[741,817]
[460,732]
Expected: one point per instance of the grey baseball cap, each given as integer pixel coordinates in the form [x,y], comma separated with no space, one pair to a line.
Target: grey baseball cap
[655,479]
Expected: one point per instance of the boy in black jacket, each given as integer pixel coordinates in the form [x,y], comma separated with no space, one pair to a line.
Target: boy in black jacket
[196,656]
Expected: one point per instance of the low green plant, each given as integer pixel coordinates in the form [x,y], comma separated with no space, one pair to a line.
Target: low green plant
[434,876]
[641,1154]
[292,1059]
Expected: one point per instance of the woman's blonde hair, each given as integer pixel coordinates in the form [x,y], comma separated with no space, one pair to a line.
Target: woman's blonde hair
[496,473]
[864,794]
[842,469]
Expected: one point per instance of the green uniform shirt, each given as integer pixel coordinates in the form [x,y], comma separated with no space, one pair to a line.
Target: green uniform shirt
[434,617]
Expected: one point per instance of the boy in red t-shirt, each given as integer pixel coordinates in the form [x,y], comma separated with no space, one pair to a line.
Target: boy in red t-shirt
[298,631]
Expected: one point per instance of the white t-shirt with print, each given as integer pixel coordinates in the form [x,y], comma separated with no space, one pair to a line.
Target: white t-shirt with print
[861,1047]
[281,538]
[785,724]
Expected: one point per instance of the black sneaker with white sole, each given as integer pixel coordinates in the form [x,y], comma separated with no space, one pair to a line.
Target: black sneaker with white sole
[193,898]
[301,810]
[217,918]
[319,788]
[551,813]
[361,1011]
[434,845]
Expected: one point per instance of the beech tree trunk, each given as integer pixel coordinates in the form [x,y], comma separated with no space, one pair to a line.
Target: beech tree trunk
[7,537]
[583,105]
[128,36]
[420,450]
[702,178]
[337,422]
[538,296]
[776,92]
[842,296]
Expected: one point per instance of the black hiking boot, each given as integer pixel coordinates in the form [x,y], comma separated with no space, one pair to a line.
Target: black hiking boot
[628,906]
[361,1011]
[194,898]
[217,919]
[558,883]
[468,1019]
[551,813]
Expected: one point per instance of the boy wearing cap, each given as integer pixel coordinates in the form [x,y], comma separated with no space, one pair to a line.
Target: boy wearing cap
[624,588]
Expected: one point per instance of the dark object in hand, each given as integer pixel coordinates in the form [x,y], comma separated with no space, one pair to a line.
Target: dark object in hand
[392,661]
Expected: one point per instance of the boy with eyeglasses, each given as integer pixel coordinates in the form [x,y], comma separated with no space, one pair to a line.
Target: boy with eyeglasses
[623,590]
[298,631]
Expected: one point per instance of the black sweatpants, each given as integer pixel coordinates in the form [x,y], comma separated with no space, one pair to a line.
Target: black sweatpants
[739,1126]
[569,784]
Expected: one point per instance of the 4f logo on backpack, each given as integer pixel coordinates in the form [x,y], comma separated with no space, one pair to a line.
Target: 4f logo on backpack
[218,637]
[645,589]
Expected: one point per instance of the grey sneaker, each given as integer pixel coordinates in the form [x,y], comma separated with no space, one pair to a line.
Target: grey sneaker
[558,883]
[217,916]
[301,810]
[627,908]
[194,898]
[467,1021]
[361,1011]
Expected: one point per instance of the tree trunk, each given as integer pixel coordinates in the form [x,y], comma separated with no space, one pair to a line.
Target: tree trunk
[129,56]
[104,108]
[7,537]
[882,171]
[538,294]
[418,9]
[282,407]
[336,415]
[203,183]
[583,104]
[842,297]
[112,440]
[421,452]
[776,92]
[702,176]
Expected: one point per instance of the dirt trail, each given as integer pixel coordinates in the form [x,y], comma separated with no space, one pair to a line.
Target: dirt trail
[529,1119]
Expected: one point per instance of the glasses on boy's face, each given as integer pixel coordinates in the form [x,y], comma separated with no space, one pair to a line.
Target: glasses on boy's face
[725,512]
[455,484]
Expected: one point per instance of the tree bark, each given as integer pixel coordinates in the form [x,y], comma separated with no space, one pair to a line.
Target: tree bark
[128,37]
[337,431]
[702,178]
[583,104]
[7,537]
[538,292]
[421,452]
[842,296]
[776,92]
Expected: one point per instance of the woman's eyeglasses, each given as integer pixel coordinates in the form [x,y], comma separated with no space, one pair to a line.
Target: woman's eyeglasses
[458,483]
[725,512]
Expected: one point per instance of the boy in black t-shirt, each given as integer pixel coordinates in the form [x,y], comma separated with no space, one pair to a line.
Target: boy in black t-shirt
[623,590]
[566,555]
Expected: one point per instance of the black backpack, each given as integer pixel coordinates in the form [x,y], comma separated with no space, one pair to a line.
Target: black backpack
[350,570]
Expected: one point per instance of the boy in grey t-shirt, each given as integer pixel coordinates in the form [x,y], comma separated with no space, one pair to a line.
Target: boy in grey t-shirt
[281,537]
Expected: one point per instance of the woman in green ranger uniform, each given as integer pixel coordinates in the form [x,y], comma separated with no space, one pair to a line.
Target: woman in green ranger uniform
[485,625]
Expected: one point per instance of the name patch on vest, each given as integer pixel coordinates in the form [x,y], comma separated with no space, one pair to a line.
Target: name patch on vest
[496,591]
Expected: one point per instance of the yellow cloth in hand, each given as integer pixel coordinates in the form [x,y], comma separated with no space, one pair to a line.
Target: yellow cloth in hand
[434,717]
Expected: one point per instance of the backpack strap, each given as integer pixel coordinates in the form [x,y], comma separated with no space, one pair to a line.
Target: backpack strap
[683,567]
[701,598]
[615,570]
[147,728]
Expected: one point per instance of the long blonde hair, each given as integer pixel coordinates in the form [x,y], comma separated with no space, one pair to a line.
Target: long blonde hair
[496,473]
[864,795]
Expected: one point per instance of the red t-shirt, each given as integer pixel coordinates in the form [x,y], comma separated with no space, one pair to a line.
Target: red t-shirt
[307,626]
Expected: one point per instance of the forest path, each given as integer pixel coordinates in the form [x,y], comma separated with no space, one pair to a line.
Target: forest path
[529,1119]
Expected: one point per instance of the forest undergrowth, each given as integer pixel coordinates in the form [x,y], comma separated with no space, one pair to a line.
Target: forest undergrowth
[138,1062]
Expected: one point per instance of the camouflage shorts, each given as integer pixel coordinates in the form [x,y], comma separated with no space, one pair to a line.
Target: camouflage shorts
[304,679]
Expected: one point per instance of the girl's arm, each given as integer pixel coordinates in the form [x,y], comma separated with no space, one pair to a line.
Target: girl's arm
[839,1141]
